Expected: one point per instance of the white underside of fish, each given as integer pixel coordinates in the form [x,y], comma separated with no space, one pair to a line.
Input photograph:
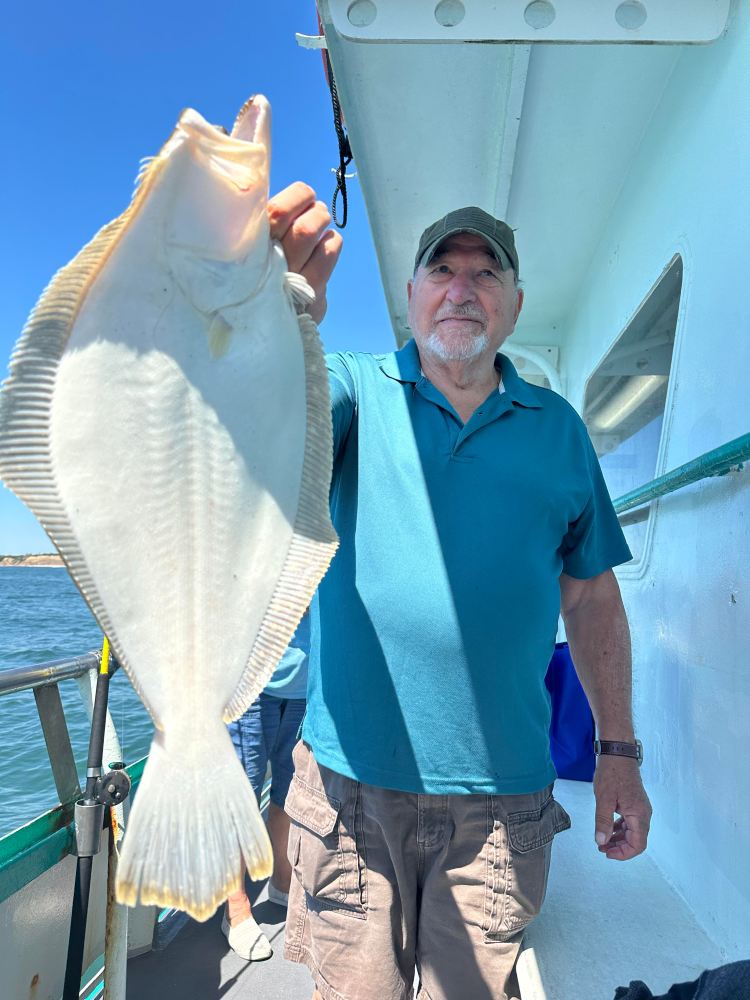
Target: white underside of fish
[167,420]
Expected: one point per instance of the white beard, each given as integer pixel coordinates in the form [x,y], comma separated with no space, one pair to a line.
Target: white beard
[463,349]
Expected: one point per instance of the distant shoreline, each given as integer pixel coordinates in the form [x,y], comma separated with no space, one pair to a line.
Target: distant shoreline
[47,559]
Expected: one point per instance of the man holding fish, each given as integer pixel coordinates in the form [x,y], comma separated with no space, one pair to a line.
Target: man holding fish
[471,510]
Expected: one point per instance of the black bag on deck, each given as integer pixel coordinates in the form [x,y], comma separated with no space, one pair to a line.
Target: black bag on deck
[729,982]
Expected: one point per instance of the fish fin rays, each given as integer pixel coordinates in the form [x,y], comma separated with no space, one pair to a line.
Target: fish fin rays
[26,465]
[143,169]
[186,848]
[314,541]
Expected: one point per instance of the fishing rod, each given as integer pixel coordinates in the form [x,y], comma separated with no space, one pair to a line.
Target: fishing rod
[103,791]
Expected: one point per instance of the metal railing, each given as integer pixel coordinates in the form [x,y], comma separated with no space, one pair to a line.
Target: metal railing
[717,462]
[43,680]
[49,835]
[29,851]
[40,674]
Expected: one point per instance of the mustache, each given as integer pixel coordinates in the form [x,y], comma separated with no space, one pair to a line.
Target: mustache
[462,312]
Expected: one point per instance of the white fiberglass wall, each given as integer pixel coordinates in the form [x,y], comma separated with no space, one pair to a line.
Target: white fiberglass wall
[689,601]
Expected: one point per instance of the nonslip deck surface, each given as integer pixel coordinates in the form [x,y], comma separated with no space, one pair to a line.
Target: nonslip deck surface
[200,965]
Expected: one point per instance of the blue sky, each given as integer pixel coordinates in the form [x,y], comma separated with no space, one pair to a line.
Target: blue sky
[86,90]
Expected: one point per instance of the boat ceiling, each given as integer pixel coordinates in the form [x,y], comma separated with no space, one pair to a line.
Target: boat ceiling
[542,135]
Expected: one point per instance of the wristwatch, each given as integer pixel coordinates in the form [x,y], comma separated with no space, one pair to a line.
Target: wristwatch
[634,750]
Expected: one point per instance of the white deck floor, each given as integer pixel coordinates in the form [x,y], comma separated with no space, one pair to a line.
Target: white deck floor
[604,924]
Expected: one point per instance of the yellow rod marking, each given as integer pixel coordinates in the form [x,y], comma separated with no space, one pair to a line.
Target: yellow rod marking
[104,666]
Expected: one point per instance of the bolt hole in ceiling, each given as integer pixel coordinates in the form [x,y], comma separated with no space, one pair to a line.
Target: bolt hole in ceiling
[362,13]
[449,13]
[630,15]
[539,14]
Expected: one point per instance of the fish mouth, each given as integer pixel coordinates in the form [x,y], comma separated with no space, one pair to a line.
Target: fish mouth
[251,123]
[237,156]
[218,249]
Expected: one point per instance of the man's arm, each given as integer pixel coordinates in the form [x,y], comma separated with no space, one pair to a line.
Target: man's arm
[599,639]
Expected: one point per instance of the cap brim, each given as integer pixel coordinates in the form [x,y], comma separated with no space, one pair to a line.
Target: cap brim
[501,255]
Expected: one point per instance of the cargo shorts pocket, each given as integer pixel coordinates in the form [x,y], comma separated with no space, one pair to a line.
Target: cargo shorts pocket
[323,847]
[519,850]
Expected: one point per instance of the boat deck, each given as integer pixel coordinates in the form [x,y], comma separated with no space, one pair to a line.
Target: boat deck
[603,924]
[199,964]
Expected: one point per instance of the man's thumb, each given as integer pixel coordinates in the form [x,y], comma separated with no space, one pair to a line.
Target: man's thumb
[603,823]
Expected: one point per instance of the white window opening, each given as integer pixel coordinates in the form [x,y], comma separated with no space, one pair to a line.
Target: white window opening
[626,398]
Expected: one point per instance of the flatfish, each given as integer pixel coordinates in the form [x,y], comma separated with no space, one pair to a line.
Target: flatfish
[167,420]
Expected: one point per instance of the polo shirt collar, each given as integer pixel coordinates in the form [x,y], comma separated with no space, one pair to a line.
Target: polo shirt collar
[519,391]
[404,366]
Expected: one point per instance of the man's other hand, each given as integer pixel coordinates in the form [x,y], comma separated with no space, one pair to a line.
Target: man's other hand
[618,789]
[300,224]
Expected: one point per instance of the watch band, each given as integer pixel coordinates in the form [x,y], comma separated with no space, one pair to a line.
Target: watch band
[618,749]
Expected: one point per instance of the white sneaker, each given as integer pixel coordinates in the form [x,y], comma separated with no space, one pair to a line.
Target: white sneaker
[246,939]
[277,896]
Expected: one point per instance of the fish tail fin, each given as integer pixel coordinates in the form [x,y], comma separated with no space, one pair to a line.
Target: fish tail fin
[194,822]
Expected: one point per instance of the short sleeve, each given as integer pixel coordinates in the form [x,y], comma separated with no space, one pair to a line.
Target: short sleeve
[343,398]
[595,541]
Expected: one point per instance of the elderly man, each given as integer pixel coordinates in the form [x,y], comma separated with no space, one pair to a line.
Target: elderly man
[471,509]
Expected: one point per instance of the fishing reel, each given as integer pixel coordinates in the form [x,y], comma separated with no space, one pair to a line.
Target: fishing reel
[105,791]
[113,787]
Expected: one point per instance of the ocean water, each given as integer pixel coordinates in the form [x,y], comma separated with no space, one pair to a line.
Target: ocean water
[43,617]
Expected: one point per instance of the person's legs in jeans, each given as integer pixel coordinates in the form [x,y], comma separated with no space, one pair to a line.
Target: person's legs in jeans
[291,713]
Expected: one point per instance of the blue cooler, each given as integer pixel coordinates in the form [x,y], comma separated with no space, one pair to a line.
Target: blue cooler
[571,732]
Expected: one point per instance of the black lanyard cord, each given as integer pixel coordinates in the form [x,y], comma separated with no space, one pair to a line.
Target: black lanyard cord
[345,151]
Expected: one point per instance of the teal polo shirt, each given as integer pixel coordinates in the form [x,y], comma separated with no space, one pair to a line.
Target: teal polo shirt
[433,629]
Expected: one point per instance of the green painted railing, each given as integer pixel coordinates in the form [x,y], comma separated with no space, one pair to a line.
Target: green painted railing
[718,462]
[32,849]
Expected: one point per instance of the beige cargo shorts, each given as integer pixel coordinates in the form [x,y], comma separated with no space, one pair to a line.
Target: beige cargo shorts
[387,882]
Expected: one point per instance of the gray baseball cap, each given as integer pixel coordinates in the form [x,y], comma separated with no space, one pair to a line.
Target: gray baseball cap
[497,233]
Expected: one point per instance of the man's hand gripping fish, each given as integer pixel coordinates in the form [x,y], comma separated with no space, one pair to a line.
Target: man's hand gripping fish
[167,420]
